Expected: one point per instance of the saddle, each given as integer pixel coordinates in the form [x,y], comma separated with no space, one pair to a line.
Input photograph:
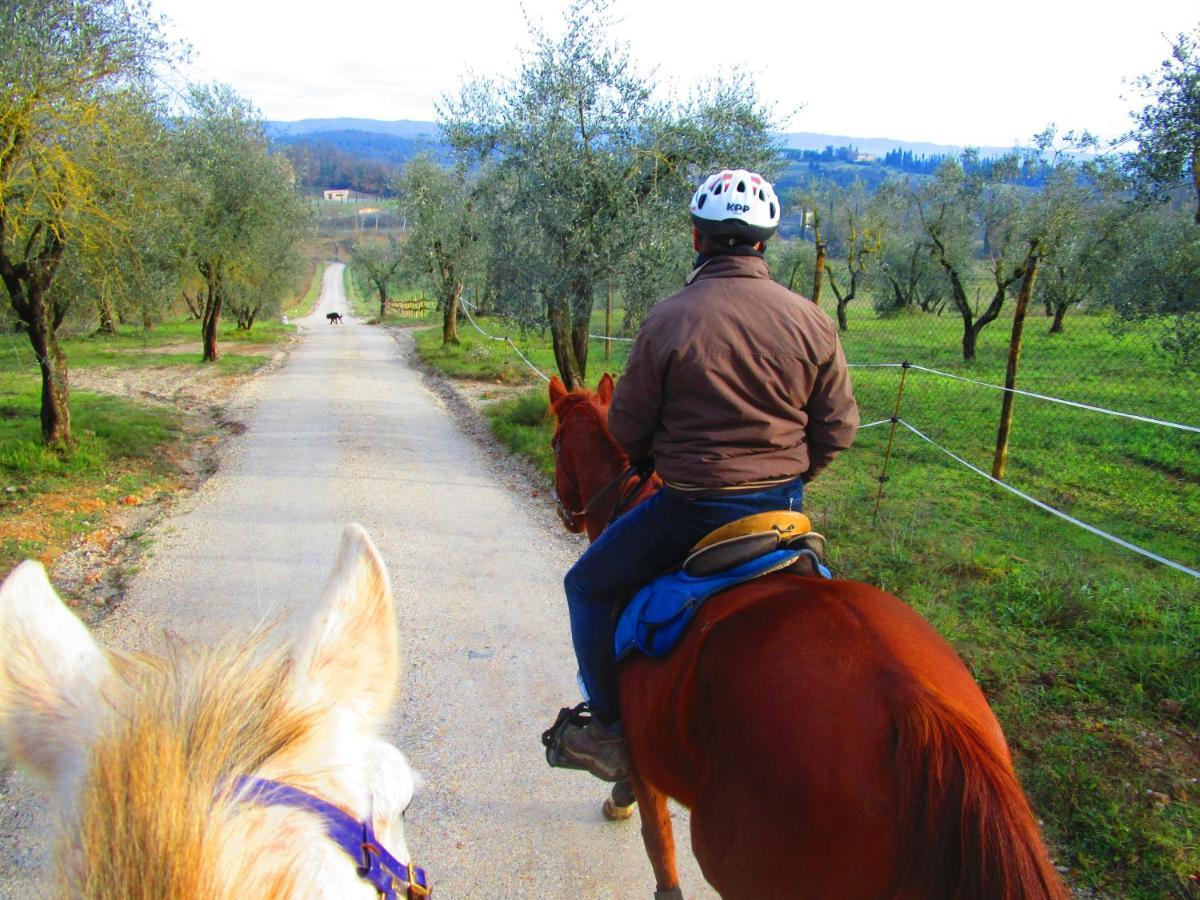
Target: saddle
[655,619]
[753,536]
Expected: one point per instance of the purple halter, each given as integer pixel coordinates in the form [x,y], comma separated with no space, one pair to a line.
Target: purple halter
[376,865]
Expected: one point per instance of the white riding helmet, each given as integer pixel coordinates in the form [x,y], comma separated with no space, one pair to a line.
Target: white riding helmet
[736,203]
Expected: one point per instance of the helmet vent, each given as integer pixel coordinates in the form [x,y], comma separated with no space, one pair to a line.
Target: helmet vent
[717,189]
[741,187]
[762,195]
[772,210]
[700,202]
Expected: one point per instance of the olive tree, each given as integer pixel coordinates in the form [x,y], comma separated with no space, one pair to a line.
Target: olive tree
[76,97]
[1087,227]
[1167,130]
[906,277]
[242,204]
[970,213]
[375,262]
[1157,280]
[443,246]
[581,160]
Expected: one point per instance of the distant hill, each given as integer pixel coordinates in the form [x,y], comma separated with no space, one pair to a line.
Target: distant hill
[410,130]
[403,128]
[365,154]
[805,140]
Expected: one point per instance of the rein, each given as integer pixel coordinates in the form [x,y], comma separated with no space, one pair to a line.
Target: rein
[391,878]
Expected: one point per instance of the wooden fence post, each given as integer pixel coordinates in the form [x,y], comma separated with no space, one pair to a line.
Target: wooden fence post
[1000,461]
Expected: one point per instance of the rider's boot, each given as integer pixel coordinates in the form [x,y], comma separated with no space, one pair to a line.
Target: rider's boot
[598,749]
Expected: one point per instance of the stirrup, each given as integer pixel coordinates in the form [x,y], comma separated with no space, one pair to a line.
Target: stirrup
[552,737]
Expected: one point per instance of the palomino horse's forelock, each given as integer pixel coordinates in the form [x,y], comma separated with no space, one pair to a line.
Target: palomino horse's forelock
[156,803]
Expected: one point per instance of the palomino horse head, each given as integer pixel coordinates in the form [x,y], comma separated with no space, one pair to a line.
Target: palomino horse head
[215,772]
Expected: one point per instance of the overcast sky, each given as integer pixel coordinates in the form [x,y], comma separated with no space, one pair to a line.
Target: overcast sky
[946,71]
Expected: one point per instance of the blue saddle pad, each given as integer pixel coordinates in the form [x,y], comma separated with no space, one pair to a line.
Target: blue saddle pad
[657,616]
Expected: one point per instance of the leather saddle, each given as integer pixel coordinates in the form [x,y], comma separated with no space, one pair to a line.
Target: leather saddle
[753,536]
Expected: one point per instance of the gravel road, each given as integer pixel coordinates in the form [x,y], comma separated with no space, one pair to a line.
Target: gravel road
[347,431]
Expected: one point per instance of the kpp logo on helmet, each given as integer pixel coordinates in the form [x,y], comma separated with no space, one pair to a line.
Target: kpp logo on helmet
[737,207]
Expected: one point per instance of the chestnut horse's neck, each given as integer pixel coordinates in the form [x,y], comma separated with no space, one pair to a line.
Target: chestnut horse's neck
[589,462]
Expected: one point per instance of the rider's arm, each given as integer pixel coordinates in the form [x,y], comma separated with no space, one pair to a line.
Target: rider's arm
[633,416]
[832,413]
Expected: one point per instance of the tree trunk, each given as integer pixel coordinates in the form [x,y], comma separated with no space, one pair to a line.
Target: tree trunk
[818,273]
[844,300]
[104,310]
[27,284]
[564,347]
[208,327]
[579,339]
[194,307]
[1196,178]
[968,341]
[56,406]
[450,315]
[1056,327]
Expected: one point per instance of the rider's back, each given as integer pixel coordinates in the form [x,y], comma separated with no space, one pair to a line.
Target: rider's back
[735,379]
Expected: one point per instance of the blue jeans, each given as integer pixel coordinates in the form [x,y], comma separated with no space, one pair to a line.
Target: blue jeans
[644,542]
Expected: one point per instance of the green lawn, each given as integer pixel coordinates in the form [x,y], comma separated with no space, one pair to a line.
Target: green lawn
[1090,654]
[122,447]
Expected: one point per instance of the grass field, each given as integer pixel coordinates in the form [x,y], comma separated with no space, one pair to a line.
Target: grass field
[125,449]
[1090,654]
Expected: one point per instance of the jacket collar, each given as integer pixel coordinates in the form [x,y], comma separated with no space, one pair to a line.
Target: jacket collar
[725,266]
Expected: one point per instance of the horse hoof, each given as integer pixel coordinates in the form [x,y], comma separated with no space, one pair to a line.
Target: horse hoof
[673,894]
[622,794]
[615,813]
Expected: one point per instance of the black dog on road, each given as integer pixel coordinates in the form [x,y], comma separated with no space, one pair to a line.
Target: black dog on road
[335,318]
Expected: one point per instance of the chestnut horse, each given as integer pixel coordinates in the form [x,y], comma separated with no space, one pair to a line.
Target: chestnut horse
[252,769]
[828,742]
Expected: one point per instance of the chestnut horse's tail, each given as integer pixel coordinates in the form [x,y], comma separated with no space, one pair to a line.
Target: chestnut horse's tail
[973,831]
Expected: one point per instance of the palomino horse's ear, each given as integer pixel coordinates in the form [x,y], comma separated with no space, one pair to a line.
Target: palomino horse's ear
[558,390]
[350,655]
[51,672]
[604,389]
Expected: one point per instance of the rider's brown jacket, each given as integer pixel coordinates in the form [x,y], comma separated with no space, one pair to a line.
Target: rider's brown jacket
[735,379]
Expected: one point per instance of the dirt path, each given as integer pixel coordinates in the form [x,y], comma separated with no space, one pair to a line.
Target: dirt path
[347,431]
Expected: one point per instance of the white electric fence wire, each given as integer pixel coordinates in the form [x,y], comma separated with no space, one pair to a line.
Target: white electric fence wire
[1039,504]
[505,340]
[1050,509]
[1099,409]
[594,337]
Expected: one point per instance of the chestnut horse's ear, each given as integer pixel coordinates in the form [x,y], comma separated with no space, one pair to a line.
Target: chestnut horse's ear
[604,390]
[558,390]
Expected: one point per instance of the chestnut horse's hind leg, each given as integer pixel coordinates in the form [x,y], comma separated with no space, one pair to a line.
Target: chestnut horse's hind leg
[658,838]
[619,805]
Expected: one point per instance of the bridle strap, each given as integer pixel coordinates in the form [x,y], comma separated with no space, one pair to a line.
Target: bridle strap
[571,517]
[376,865]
